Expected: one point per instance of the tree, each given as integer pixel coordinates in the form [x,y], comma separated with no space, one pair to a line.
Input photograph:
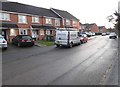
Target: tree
[117,25]
[116,21]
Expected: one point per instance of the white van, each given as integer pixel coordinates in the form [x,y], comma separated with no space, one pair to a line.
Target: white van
[67,37]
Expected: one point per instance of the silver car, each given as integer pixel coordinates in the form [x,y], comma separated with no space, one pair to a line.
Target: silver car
[113,35]
[3,42]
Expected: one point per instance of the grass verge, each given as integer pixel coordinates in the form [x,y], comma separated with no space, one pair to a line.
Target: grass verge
[45,43]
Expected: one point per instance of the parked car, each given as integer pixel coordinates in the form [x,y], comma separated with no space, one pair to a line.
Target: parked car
[3,42]
[88,34]
[103,34]
[107,33]
[113,36]
[23,40]
[93,34]
[67,37]
[83,38]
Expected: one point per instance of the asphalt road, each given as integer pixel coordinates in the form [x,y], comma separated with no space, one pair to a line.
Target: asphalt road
[91,63]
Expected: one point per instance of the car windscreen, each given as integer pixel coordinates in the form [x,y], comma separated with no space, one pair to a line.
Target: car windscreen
[26,38]
[1,37]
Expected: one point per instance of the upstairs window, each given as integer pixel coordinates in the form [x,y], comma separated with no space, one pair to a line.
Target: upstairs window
[67,22]
[4,16]
[74,23]
[48,21]
[22,19]
[57,22]
[35,19]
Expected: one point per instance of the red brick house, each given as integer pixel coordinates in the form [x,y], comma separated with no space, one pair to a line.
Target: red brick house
[89,28]
[40,23]
[102,29]
[68,20]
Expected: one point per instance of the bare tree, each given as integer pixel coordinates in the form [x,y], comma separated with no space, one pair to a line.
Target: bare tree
[116,21]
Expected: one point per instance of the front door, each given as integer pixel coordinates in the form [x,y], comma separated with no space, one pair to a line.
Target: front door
[34,34]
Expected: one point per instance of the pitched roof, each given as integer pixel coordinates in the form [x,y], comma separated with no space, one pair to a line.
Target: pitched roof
[88,25]
[100,27]
[28,9]
[64,14]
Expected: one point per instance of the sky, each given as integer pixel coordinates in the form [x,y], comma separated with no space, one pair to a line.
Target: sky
[87,11]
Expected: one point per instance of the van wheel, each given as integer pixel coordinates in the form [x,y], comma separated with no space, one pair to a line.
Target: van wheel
[71,45]
[57,45]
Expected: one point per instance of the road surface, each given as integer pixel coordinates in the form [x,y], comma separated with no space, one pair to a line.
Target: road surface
[91,63]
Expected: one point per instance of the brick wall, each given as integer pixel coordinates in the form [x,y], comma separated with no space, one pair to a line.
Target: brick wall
[95,29]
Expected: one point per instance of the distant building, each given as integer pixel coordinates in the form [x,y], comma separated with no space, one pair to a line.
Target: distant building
[102,29]
[89,28]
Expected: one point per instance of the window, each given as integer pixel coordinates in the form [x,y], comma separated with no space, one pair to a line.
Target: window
[22,19]
[23,31]
[75,23]
[12,32]
[4,16]
[48,21]
[67,22]
[48,32]
[41,32]
[57,22]
[35,19]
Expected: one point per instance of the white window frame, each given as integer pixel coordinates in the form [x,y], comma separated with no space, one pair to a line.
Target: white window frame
[48,21]
[22,19]
[12,32]
[42,32]
[4,16]
[67,22]
[75,23]
[47,32]
[35,19]
[57,22]
[22,30]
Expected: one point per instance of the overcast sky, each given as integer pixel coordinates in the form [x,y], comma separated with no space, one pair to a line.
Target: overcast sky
[87,11]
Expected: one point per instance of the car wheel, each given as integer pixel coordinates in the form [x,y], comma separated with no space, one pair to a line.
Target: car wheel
[32,44]
[5,48]
[81,41]
[19,45]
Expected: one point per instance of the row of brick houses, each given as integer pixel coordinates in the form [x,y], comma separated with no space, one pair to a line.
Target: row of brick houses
[21,19]
[41,23]
[93,28]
